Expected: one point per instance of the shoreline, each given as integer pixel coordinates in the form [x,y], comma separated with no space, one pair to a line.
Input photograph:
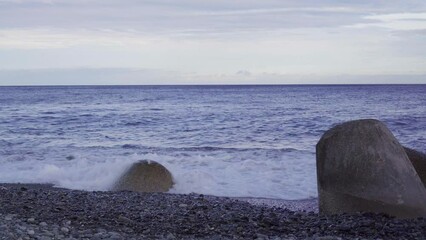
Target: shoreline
[304,205]
[40,211]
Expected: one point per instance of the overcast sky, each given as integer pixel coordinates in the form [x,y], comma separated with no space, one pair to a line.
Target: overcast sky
[212,42]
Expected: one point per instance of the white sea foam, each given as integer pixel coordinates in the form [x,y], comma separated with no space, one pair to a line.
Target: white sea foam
[291,178]
[75,174]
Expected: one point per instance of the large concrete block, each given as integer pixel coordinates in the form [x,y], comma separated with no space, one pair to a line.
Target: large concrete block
[362,167]
[145,176]
[418,160]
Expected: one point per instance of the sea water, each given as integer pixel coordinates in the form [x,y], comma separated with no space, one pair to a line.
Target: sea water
[236,141]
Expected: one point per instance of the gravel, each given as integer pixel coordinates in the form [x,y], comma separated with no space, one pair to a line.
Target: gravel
[44,212]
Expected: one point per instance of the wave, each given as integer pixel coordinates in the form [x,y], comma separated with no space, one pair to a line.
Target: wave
[4,143]
[74,173]
[197,169]
[210,148]
[137,123]
[48,113]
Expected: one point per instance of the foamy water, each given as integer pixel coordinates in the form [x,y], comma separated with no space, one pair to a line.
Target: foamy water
[224,141]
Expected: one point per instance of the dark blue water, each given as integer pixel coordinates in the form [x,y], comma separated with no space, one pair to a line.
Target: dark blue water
[254,141]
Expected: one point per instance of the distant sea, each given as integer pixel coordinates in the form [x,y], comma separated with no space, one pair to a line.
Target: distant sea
[237,141]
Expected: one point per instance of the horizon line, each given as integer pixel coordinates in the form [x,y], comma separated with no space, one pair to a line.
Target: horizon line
[200,85]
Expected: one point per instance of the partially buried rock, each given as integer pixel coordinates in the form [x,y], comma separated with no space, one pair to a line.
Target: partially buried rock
[418,160]
[145,176]
[362,167]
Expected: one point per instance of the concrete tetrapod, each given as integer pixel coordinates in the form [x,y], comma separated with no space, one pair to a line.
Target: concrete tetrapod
[145,176]
[418,160]
[361,167]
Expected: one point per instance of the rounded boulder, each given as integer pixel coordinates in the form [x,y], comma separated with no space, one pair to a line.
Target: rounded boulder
[361,167]
[145,176]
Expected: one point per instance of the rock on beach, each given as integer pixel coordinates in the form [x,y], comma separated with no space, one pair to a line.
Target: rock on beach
[418,160]
[361,167]
[145,176]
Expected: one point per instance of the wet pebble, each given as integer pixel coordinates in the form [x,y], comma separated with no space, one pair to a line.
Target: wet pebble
[51,213]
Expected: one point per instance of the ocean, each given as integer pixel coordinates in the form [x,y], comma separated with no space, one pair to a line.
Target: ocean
[235,141]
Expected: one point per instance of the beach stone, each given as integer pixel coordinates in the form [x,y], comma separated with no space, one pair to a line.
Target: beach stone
[145,176]
[114,235]
[418,159]
[125,219]
[362,167]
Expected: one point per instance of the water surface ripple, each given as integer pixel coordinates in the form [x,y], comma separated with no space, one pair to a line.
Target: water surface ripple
[242,141]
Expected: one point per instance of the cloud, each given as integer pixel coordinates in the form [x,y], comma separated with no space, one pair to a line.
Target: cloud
[396,21]
[26,1]
[399,16]
[277,10]
[216,38]
[87,76]
[191,18]
[243,73]
[41,38]
[164,17]
[38,24]
[113,76]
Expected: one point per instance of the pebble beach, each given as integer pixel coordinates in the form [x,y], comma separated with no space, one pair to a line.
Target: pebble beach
[37,211]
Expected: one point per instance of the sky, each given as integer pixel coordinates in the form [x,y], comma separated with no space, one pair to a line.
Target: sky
[63,42]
